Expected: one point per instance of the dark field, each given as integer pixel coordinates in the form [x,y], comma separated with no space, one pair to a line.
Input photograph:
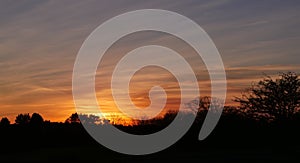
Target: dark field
[235,139]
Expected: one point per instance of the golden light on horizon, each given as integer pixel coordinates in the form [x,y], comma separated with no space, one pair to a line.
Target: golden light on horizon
[140,85]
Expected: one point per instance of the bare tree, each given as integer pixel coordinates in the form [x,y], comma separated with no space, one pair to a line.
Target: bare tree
[204,103]
[277,98]
[89,119]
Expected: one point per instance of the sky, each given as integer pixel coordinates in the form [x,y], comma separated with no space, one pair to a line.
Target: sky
[39,42]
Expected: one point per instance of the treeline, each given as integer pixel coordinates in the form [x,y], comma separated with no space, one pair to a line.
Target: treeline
[268,101]
[264,127]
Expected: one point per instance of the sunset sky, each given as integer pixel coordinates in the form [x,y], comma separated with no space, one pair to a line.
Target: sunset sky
[39,41]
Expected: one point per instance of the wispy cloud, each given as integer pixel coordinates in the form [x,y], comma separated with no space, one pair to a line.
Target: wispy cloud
[39,41]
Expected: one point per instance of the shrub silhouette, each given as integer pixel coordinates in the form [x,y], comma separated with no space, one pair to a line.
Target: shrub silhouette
[278,99]
[4,122]
[23,119]
[36,119]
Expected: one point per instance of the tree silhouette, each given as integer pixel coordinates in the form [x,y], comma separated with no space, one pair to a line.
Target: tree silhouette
[36,119]
[201,105]
[89,119]
[23,119]
[4,122]
[277,99]
[74,118]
